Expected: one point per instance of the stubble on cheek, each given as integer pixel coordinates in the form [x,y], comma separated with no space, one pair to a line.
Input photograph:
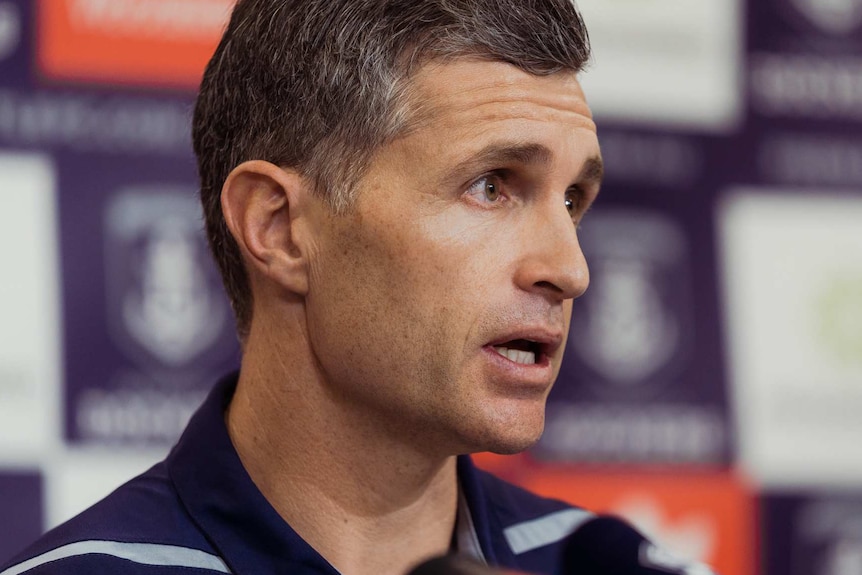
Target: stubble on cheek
[378,338]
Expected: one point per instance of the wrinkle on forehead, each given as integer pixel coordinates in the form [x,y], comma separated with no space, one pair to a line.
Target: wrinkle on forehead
[476,90]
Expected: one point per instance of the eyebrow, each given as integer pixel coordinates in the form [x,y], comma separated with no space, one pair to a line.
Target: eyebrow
[494,154]
[593,171]
[526,154]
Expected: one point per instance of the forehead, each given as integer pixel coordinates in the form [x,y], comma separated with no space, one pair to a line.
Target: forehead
[481,89]
[458,108]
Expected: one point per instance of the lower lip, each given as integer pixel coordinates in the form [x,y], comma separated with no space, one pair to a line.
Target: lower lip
[537,375]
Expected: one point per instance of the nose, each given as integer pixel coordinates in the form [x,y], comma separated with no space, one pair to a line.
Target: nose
[552,263]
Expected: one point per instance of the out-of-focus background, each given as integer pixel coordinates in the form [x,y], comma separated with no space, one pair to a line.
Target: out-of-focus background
[712,391]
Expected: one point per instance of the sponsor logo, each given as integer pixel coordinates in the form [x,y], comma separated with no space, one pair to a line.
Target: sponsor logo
[150,42]
[807,86]
[841,319]
[163,304]
[10,29]
[691,50]
[660,159]
[631,323]
[831,16]
[85,122]
[801,159]
[137,413]
[169,19]
[666,433]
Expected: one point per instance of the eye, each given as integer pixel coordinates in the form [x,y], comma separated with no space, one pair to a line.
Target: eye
[572,201]
[486,190]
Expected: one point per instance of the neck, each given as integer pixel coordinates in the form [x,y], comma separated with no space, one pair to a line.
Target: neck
[368,500]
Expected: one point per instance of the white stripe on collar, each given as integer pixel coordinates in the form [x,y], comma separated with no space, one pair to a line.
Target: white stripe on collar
[535,533]
[144,553]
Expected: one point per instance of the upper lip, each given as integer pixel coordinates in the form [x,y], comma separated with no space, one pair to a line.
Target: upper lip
[549,340]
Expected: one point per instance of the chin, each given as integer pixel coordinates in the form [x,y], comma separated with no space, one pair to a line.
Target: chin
[509,437]
[503,427]
[512,445]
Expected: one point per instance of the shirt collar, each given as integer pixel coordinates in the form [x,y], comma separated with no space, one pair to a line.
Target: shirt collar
[466,536]
[247,531]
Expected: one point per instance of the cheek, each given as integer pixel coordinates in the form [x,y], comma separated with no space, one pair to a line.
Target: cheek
[425,265]
[349,291]
[371,308]
[415,287]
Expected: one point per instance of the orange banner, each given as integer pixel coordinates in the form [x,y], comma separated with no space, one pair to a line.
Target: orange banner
[138,42]
[700,516]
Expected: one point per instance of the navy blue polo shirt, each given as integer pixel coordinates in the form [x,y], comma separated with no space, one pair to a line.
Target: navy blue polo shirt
[198,511]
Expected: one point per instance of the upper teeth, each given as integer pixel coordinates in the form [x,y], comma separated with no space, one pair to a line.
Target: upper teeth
[517,355]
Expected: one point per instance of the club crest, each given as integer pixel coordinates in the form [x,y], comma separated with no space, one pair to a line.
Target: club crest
[163,301]
[837,17]
[630,324]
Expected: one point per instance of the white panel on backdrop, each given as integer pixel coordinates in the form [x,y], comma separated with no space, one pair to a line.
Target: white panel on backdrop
[78,478]
[674,62]
[29,308]
[793,287]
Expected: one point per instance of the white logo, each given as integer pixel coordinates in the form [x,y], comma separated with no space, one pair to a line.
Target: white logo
[10,29]
[160,297]
[630,324]
[655,557]
[832,16]
[692,537]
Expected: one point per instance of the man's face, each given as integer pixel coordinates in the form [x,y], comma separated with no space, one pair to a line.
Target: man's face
[440,305]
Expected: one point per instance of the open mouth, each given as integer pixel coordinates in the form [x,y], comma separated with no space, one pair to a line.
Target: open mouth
[522,351]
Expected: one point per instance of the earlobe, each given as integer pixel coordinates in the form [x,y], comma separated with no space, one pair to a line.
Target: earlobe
[262,205]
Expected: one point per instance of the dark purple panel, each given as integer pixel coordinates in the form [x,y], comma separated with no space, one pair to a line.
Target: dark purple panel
[643,378]
[21,511]
[805,26]
[147,327]
[812,533]
[804,68]
[805,64]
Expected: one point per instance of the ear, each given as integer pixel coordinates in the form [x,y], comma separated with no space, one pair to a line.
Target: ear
[262,204]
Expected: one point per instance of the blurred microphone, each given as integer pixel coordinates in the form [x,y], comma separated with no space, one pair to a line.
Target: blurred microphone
[607,545]
[603,545]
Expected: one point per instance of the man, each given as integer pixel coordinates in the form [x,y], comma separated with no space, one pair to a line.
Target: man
[392,190]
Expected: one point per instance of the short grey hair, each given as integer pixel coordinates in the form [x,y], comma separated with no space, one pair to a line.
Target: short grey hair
[319,85]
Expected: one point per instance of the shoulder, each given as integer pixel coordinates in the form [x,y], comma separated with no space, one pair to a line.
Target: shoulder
[142,527]
[513,504]
[530,527]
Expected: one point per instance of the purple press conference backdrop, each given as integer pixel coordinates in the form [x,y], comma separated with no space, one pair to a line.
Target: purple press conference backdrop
[720,340]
